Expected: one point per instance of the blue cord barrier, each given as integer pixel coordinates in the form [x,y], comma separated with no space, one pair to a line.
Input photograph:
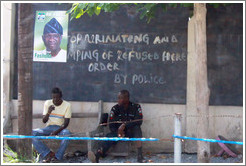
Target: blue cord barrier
[208,140]
[82,138]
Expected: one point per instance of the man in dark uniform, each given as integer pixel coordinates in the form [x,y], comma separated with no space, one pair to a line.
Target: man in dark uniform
[125,112]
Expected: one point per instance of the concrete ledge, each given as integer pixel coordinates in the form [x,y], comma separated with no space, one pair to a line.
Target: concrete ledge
[74,115]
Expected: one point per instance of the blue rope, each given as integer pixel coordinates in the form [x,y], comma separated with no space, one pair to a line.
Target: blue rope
[82,138]
[117,138]
[208,140]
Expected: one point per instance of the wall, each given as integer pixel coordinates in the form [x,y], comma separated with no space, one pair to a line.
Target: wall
[7,51]
[150,57]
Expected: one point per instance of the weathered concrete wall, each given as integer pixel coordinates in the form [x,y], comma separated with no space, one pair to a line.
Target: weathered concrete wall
[158,122]
[8,10]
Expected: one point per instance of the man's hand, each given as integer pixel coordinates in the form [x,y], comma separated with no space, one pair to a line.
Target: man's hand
[66,122]
[54,133]
[51,108]
[121,132]
[46,117]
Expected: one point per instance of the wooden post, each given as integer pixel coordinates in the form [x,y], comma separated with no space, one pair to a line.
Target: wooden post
[25,52]
[202,92]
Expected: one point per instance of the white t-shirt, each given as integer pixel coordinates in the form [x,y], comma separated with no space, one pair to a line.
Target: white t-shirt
[59,113]
[43,56]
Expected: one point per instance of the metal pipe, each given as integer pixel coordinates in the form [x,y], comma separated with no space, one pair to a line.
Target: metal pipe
[177,141]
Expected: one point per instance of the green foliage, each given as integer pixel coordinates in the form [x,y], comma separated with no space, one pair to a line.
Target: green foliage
[79,9]
[145,10]
[14,158]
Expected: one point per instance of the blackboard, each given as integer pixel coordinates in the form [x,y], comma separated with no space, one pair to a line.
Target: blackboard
[117,51]
[225,54]
[224,48]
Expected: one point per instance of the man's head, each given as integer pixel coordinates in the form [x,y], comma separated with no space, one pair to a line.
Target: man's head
[56,96]
[123,97]
[52,35]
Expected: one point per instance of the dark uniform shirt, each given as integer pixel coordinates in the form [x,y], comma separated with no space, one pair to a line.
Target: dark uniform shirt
[117,113]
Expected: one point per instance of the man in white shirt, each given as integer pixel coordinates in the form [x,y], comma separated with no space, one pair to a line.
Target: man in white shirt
[56,115]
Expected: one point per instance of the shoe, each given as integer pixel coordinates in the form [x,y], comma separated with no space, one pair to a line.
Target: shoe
[92,157]
[49,157]
[54,160]
[141,159]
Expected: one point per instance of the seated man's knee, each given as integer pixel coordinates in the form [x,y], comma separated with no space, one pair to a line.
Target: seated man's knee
[111,135]
[36,132]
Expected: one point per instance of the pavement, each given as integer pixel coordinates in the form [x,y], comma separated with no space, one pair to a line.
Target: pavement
[152,158]
[81,157]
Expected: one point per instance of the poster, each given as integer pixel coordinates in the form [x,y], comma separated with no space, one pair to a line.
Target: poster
[50,36]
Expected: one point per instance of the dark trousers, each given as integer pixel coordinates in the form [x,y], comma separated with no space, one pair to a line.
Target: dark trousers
[134,132]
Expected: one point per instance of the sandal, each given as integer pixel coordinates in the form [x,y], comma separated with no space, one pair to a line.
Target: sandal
[49,157]
[54,160]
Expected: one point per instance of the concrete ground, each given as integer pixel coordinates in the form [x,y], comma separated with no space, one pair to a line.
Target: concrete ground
[152,158]
[81,157]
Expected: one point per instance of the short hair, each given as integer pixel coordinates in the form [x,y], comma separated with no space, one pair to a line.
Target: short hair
[125,93]
[56,90]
